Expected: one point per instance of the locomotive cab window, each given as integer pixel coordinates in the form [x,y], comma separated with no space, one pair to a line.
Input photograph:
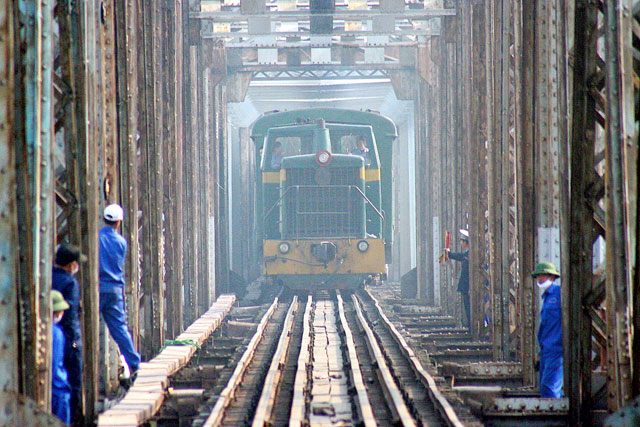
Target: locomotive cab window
[357,145]
[279,147]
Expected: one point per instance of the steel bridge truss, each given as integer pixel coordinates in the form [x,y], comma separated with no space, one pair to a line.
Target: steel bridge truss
[490,81]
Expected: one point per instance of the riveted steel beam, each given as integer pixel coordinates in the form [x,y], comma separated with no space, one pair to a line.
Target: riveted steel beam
[126,21]
[434,179]
[190,178]
[172,93]
[202,188]
[478,258]
[578,279]
[109,158]
[486,370]
[80,182]
[619,132]
[153,176]
[222,230]
[34,142]
[520,407]
[9,356]
[422,219]
[526,192]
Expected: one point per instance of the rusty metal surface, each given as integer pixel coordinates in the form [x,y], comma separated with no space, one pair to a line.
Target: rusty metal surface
[202,192]
[493,370]
[521,407]
[478,226]
[126,22]
[491,99]
[617,49]
[172,158]
[34,140]
[421,194]
[9,357]
[526,194]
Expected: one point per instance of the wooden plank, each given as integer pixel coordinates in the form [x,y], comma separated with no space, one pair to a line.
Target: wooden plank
[145,397]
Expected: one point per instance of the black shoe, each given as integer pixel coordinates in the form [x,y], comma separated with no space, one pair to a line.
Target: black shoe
[126,383]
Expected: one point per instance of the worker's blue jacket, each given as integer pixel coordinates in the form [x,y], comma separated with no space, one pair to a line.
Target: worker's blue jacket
[463,281]
[550,331]
[59,380]
[67,285]
[113,248]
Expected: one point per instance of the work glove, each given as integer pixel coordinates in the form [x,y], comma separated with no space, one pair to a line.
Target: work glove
[444,256]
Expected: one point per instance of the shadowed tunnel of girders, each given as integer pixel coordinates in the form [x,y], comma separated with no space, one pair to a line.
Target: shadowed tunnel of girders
[517,120]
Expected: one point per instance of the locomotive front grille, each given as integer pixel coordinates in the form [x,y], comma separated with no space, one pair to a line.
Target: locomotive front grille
[323,202]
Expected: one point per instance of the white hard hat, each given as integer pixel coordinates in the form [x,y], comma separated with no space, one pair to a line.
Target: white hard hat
[113,212]
[465,233]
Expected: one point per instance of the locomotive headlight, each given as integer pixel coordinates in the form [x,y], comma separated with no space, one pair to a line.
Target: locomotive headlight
[284,247]
[363,246]
[323,157]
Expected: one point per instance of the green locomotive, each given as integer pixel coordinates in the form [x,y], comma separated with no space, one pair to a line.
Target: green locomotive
[325,197]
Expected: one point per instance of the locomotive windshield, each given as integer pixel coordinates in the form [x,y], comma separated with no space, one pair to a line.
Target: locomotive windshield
[279,146]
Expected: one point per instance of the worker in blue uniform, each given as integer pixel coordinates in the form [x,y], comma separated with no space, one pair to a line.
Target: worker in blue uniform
[463,281]
[113,248]
[60,388]
[550,331]
[66,265]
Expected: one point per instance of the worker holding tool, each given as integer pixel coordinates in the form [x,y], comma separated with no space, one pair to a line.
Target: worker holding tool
[463,280]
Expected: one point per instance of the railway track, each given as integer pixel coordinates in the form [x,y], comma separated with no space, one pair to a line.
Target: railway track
[328,366]
[319,360]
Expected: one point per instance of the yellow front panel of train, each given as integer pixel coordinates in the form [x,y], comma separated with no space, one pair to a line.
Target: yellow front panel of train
[348,259]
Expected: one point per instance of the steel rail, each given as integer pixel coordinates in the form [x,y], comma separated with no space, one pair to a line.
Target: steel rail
[364,405]
[394,396]
[227,395]
[439,401]
[270,389]
[301,382]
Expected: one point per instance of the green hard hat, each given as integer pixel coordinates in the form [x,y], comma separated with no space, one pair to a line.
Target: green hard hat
[57,301]
[545,268]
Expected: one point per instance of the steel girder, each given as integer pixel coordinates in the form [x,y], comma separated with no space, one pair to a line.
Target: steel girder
[34,143]
[621,165]
[9,357]
[604,186]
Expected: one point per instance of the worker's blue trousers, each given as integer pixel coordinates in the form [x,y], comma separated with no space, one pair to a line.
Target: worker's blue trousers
[73,365]
[551,375]
[60,404]
[114,315]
